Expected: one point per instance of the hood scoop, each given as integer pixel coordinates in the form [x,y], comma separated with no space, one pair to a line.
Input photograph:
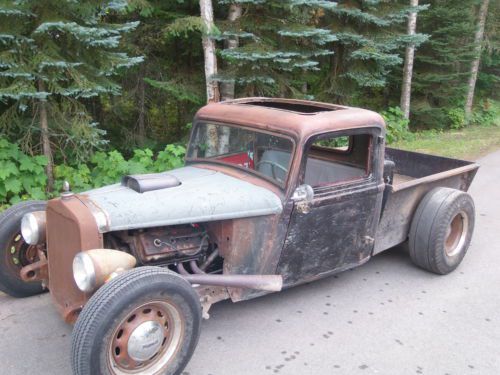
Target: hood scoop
[149,182]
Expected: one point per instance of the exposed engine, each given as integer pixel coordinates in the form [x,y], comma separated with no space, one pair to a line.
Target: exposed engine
[164,245]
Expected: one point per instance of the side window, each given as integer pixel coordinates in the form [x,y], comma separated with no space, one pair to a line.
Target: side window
[337,158]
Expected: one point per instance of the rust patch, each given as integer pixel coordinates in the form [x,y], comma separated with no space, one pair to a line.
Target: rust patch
[38,271]
[210,295]
[250,246]
[328,117]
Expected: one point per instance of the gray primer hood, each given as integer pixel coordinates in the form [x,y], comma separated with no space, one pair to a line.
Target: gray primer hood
[204,195]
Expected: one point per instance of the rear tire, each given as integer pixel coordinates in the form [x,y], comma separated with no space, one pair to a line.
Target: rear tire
[441,230]
[145,321]
[15,253]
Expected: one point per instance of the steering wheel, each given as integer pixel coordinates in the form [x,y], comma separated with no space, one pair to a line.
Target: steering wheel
[273,166]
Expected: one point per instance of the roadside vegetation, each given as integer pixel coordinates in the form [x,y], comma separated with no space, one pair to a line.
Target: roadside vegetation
[467,144]
[462,142]
[23,177]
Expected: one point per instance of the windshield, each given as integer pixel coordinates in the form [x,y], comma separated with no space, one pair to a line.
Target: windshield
[266,154]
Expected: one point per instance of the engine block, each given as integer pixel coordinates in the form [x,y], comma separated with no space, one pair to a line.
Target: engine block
[171,244]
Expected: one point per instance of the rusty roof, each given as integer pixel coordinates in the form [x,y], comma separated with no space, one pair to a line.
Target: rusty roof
[299,118]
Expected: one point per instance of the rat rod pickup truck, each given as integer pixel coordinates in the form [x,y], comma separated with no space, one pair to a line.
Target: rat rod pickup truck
[274,193]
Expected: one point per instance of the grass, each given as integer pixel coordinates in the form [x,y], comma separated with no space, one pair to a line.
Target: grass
[469,143]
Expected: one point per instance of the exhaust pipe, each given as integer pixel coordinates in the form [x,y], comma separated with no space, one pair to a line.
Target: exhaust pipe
[195,268]
[270,283]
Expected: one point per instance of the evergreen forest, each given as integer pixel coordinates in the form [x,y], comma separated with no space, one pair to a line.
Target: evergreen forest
[93,89]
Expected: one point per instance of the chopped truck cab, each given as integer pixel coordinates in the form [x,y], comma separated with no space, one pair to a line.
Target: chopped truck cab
[274,193]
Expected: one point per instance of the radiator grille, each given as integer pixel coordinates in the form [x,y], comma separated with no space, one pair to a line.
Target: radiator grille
[71,228]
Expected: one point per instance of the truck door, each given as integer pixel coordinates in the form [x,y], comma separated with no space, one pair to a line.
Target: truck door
[336,208]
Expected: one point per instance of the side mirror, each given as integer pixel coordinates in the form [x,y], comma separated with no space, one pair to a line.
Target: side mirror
[303,197]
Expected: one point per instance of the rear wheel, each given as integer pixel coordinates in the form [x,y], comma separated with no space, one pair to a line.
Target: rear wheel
[15,253]
[146,321]
[441,230]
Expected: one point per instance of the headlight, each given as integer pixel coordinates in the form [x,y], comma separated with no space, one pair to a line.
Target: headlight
[33,227]
[84,272]
[94,268]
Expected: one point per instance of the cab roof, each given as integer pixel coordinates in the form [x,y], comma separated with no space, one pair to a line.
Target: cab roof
[299,118]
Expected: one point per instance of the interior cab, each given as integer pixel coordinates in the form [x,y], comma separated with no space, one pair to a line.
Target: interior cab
[266,154]
[332,159]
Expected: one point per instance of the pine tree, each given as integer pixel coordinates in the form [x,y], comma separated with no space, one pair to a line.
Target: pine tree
[161,95]
[371,39]
[53,56]
[442,67]
[279,44]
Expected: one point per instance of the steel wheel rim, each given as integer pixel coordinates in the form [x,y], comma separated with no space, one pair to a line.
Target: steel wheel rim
[19,254]
[456,234]
[162,312]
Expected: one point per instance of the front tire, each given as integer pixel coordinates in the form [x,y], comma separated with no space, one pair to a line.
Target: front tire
[145,321]
[441,230]
[15,253]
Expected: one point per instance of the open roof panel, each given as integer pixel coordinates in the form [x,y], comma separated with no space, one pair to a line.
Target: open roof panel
[290,105]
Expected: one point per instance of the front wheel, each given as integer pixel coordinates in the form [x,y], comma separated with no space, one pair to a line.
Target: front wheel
[145,321]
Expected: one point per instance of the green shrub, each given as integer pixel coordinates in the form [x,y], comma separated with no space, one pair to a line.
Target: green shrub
[487,114]
[108,168]
[79,177]
[456,118]
[170,158]
[22,177]
[397,126]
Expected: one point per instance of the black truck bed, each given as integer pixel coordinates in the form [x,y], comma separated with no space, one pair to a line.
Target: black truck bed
[414,176]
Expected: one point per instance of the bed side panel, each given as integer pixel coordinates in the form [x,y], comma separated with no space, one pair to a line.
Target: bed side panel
[401,204]
[418,165]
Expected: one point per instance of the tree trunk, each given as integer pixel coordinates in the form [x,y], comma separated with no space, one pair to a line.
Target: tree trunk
[46,147]
[478,44]
[304,88]
[408,66]
[142,110]
[227,88]
[207,16]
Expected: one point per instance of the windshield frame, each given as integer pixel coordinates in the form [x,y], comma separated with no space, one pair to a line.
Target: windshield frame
[282,185]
